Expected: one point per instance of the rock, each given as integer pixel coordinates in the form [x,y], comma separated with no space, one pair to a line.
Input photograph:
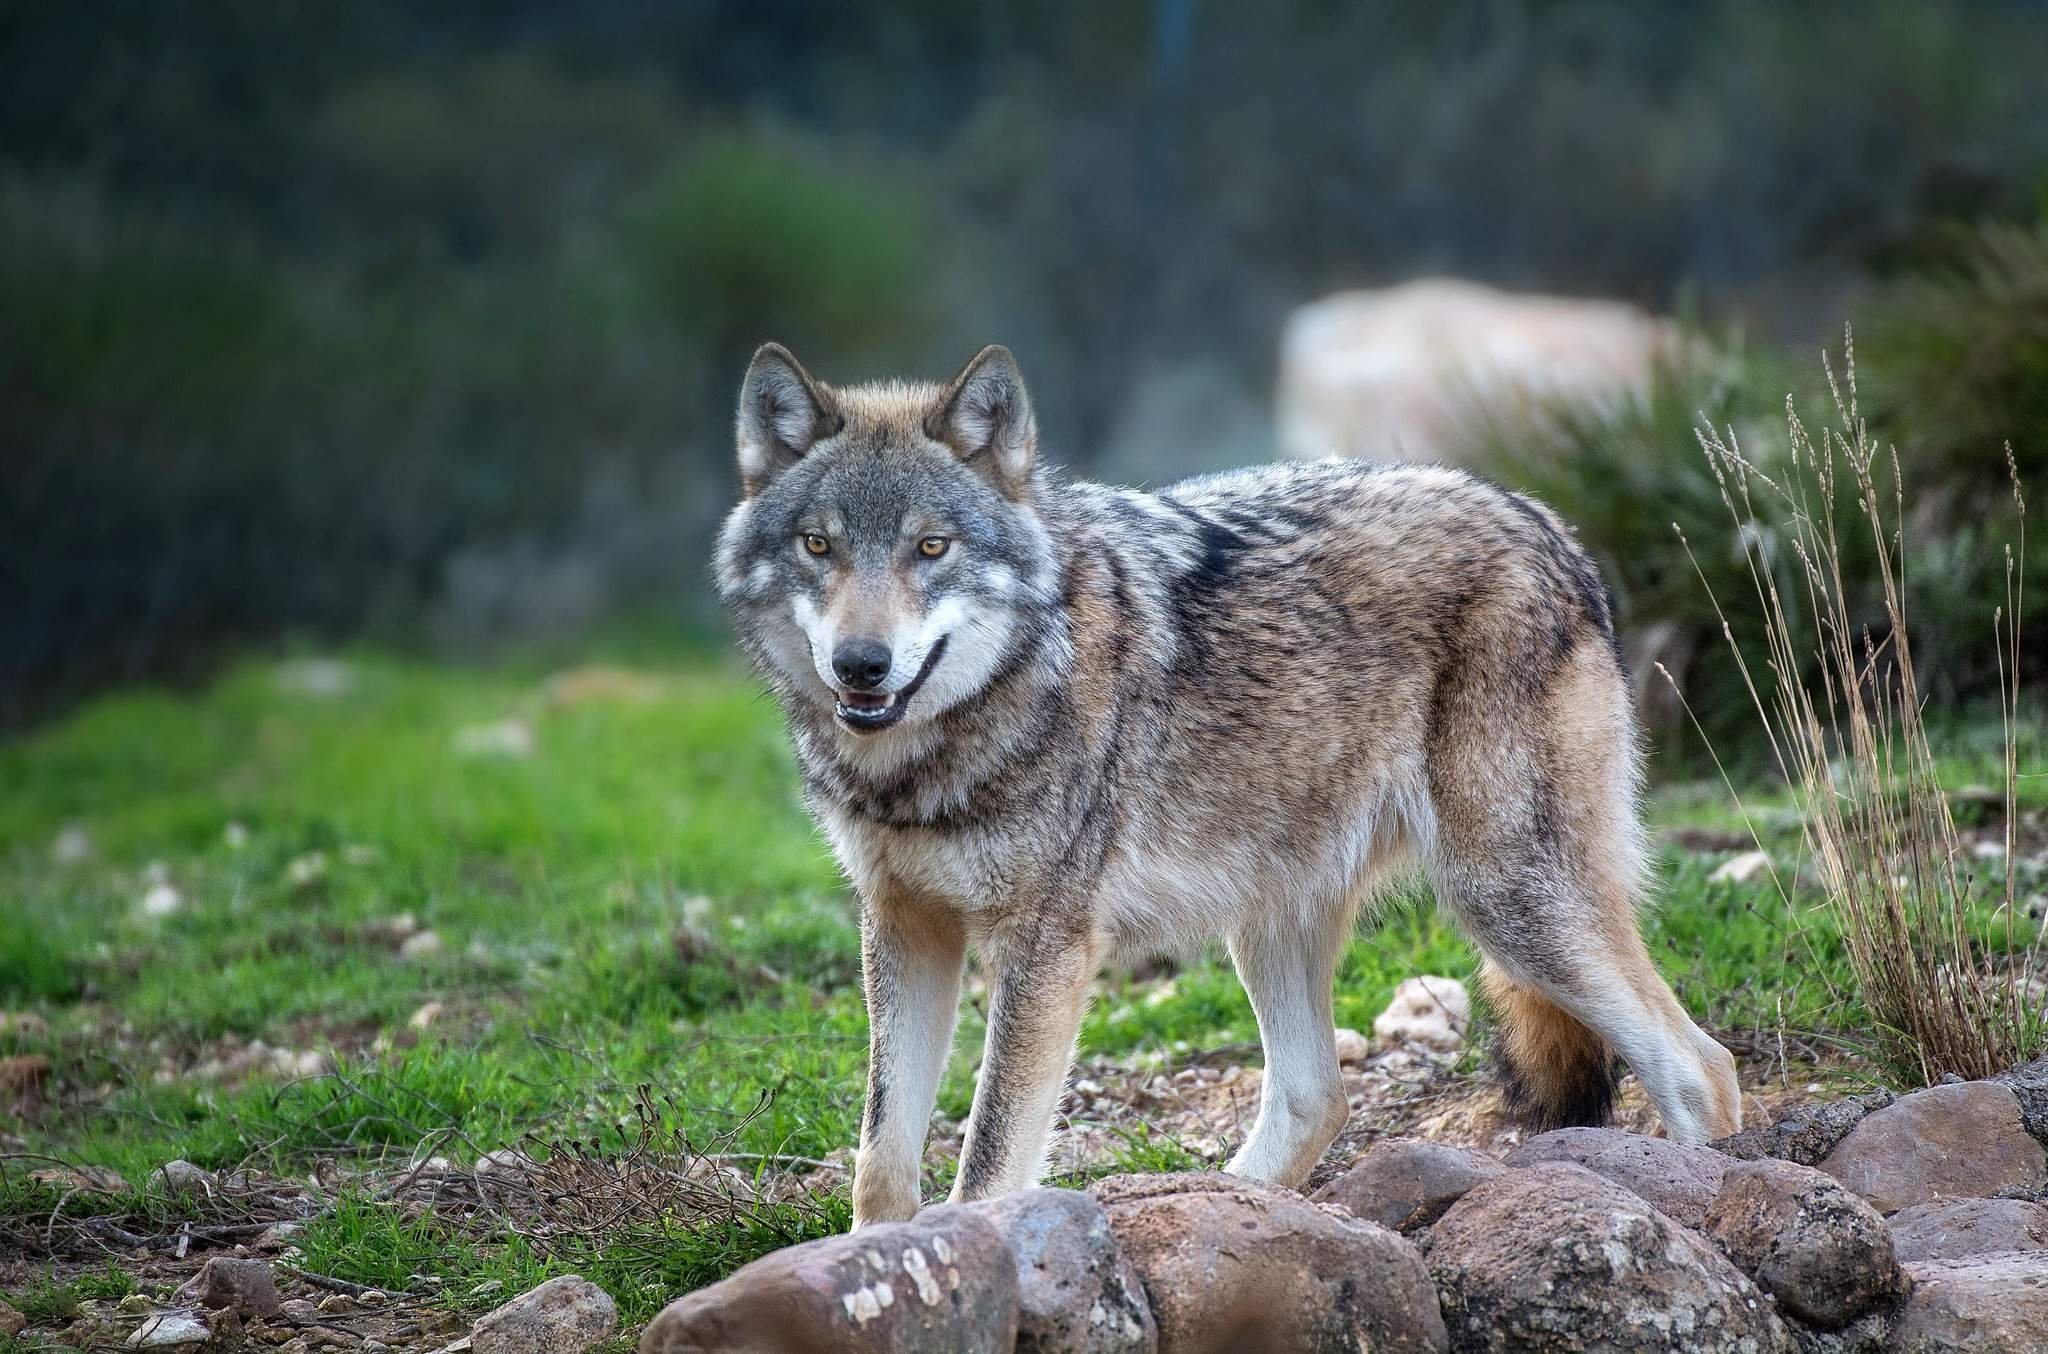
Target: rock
[72,846]
[245,1286]
[499,738]
[1404,373]
[165,1329]
[943,1282]
[12,1322]
[1807,1133]
[2029,1082]
[421,945]
[1680,1180]
[180,1177]
[1406,1183]
[1352,1047]
[1554,1257]
[1431,1011]
[425,1017]
[306,871]
[1969,1227]
[235,835]
[21,1079]
[161,899]
[1230,1264]
[1991,1304]
[1821,1251]
[1964,1141]
[1740,869]
[1076,1291]
[300,1310]
[326,678]
[563,1316]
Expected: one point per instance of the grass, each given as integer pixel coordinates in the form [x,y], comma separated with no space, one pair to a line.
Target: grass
[296,828]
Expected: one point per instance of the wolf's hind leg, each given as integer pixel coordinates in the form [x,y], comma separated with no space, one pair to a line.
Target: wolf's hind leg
[1287,964]
[1039,986]
[910,966]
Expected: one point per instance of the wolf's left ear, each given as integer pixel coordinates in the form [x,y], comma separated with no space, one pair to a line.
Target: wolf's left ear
[986,418]
[783,413]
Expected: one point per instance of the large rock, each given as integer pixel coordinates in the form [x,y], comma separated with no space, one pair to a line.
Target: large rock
[1399,373]
[1806,1133]
[1406,1183]
[245,1286]
[562,1316]
[943,1283]
[1077,1292]
[1990,1304]
[1823,1253]
[1233,1265]
[1964,1141]
[2029,1083]
[1555,1257]
[1680,1180]
[1965,1227]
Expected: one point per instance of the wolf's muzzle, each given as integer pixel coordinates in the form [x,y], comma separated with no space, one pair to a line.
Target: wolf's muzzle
[868,711]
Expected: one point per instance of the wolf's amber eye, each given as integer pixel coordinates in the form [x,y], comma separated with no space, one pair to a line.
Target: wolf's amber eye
[931,547]
[817,544]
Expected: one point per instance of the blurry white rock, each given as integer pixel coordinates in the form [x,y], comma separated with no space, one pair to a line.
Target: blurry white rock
[72,846]
[1352,1047]
[426,1015]
[307,870]
[161,899]
[235,835]
[1427,1010]
[1398,373]
[326,678]
[500,738]
[420,945]
[1741,869]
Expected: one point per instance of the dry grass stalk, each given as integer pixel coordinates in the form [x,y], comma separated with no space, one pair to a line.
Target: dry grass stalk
[1933,960]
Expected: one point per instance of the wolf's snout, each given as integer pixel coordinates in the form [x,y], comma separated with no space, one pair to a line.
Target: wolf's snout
[862,664]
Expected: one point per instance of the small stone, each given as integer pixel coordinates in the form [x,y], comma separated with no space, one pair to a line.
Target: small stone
[1554,1257]
[1964,1228]
[1680,1180]
[1352,1047]
[563,1316]
[942,1282]
[166,1329]
[337,1302]
[512,738]
[181,1177]
[12,1322]
[245,1286]
[307,870]
[300,1311]
[72,846]
[1964,1141]
[1821,1251]
[161,900]
[1427,1010]
[1990,1304]
[1740,869]
[425,1016]
[135,1304]
[235,836]
[423,945]
[1233,1264]
[1407,1183]
[1077,1292]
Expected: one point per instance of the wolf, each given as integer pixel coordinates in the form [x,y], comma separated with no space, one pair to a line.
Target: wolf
[1068,725]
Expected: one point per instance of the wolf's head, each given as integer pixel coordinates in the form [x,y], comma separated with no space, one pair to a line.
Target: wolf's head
[886,556]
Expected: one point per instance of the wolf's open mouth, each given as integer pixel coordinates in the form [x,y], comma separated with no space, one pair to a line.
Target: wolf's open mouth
[867,711]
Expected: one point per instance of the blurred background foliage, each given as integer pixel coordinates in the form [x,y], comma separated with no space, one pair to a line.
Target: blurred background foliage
[423,320]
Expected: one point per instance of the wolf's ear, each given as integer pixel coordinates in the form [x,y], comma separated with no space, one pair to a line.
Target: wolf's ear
[783,413]
[986,418]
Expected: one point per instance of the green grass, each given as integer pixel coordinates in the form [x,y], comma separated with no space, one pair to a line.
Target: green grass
[557,884]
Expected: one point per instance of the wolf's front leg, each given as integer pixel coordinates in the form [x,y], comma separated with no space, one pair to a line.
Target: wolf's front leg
[910,965]
[1039,991]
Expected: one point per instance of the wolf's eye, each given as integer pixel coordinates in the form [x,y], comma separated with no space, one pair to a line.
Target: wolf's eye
[817,544]
[931,547]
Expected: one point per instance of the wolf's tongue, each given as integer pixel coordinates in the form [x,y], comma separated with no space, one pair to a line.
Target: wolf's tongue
[863,700]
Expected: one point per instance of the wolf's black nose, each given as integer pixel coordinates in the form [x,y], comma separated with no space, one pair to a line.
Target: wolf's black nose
[862,664]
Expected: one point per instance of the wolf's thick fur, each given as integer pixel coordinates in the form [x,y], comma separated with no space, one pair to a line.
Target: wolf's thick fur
[1115,722]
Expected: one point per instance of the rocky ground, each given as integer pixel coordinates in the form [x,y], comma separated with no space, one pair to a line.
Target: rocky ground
[1879,1223]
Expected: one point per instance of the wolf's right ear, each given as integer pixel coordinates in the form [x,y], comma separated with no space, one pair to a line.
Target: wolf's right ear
[783,413]
[985,416]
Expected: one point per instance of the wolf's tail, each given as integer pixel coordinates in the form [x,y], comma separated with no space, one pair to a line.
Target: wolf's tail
[1555,1071]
